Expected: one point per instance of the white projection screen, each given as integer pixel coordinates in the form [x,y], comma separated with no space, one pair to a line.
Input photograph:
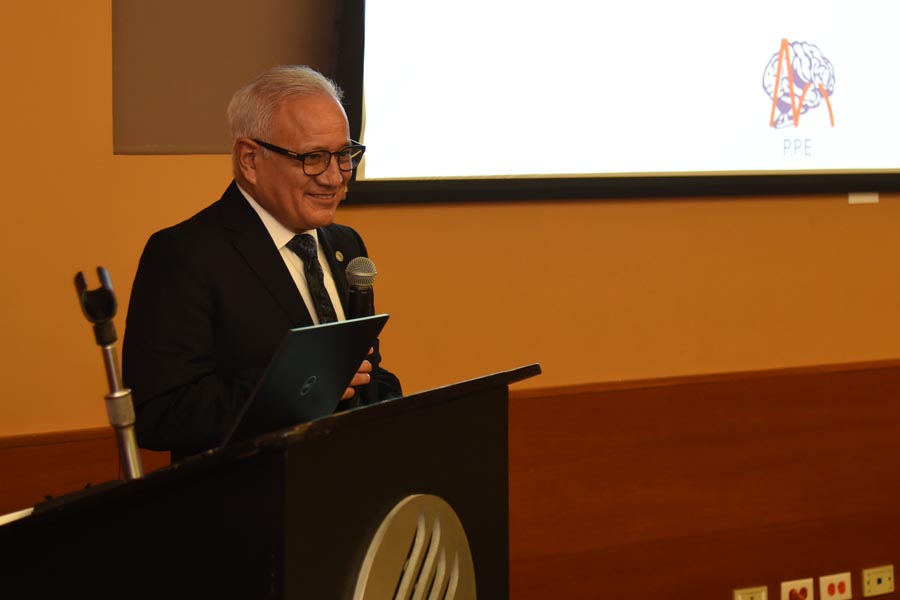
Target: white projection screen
[593,98]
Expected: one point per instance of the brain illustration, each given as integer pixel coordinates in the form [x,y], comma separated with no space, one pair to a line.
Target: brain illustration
[810,71]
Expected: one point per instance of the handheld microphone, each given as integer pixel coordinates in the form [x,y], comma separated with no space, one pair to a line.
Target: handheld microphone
[361,274]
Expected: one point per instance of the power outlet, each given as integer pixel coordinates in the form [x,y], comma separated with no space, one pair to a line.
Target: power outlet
[835,587]
[799,589]
[755,593]
[878,581]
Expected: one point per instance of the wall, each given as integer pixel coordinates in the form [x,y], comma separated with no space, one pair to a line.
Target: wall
[691,487]
[594,291]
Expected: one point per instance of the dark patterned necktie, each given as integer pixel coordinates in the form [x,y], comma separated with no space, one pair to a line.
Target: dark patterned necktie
[304,246]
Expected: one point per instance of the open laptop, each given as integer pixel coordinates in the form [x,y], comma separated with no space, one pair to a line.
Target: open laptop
[307,376]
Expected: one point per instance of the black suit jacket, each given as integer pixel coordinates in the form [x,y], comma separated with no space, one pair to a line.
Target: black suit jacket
[211,301]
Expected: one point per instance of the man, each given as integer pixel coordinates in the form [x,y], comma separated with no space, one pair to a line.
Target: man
[214,296]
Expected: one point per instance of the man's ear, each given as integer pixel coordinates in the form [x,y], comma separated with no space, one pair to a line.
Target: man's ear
[246,153]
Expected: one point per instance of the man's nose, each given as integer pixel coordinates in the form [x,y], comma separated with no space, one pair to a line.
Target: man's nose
[333,174]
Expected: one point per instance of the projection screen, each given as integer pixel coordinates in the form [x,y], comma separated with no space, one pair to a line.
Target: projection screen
[578,97]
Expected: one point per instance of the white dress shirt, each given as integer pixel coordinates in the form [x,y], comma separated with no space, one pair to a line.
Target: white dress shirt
[281,235]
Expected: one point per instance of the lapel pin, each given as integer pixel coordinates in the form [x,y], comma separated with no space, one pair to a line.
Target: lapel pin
[339,255]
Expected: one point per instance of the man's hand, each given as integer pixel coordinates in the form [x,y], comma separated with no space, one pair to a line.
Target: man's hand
[362,377]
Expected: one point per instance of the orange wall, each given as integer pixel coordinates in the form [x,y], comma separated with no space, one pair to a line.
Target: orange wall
[593,291]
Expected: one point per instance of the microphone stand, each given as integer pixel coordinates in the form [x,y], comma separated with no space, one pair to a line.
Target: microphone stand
[99,306]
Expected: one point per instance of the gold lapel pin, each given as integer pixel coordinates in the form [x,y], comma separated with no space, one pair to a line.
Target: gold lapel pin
[339,255]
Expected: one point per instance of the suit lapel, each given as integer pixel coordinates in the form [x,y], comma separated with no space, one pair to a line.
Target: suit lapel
[254,244]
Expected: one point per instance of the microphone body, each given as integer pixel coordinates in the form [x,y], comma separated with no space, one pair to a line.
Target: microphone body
[360,303]
[361,274]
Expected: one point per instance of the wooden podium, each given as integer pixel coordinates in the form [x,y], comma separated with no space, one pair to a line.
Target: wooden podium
[289,514]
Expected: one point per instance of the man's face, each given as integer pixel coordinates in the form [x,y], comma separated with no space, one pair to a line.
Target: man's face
[298,201]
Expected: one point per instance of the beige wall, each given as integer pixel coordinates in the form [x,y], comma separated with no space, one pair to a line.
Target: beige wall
[593,291]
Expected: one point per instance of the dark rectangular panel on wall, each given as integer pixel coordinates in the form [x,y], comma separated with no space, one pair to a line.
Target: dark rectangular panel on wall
[176,64]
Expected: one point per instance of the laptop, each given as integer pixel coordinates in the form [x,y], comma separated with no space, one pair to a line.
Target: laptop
[307,376]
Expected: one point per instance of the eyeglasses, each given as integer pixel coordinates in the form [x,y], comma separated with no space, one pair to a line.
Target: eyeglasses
[317,162]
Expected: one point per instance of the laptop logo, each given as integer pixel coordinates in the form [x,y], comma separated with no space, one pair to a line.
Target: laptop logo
[308,385]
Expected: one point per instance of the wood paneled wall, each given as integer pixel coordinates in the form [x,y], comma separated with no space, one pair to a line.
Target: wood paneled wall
[33,467]
[668,488]
[692,487]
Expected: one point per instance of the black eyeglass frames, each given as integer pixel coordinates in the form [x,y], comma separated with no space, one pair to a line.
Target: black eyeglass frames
[317,162]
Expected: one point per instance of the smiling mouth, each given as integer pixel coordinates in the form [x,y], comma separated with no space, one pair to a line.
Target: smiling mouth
[324,197]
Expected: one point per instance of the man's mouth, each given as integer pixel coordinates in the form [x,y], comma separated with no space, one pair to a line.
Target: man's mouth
[323,197]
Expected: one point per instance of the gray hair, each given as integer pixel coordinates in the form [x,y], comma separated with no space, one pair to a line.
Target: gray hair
[252,108]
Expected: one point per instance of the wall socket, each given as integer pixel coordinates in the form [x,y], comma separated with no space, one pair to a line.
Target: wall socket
[799,589]
[760,592]
[878,581]
[835,587]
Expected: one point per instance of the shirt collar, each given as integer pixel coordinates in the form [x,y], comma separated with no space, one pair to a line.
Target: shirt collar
[280,234]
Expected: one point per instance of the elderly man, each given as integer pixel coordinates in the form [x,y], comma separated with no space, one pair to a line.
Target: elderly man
[215,295]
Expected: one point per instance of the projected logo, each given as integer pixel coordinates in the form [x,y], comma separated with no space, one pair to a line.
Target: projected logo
[798,79]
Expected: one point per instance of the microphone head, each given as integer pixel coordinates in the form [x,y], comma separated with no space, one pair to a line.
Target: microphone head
[361,272]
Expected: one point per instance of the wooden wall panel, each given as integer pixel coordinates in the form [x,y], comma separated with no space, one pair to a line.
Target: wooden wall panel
[689,488]
[33,467]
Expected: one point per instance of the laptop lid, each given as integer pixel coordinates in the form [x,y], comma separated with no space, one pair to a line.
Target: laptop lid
[307,376]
